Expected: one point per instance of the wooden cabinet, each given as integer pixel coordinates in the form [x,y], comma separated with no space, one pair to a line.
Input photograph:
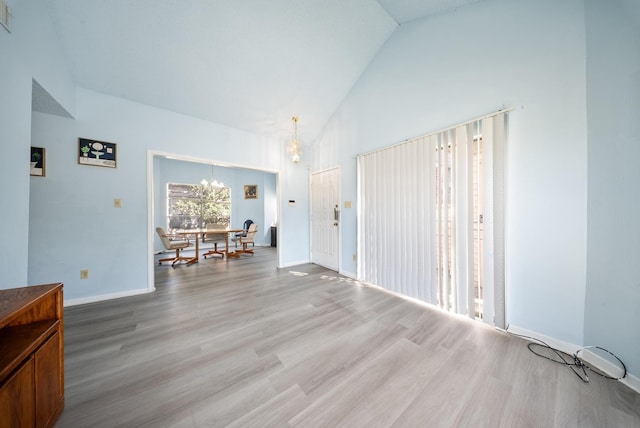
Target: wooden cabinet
[31,356]
[16,398]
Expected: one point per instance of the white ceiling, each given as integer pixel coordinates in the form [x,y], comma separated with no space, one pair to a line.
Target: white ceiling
[248,64]
[404,11]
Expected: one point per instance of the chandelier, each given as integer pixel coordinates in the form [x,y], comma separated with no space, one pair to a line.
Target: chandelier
[213,182]
[294,148]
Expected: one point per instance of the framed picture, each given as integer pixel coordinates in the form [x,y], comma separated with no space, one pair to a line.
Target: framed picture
[251,191]
[96,153]
[37,161]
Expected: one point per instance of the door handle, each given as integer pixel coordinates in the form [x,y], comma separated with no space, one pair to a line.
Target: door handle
[336,215]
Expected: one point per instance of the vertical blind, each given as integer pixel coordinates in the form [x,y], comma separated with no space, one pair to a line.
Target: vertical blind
[431,218]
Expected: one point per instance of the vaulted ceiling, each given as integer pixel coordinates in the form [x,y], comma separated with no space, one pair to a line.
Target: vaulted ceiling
[248,64]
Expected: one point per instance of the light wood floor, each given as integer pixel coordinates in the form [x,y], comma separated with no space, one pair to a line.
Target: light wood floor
[245,344]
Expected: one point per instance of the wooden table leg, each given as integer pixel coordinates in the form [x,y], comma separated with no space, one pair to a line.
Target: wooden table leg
[226,248]
[195,259]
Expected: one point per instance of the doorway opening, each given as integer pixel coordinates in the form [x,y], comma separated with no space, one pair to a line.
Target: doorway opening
[165,168]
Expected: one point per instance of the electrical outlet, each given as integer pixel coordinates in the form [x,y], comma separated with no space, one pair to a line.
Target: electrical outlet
[84,274]
[117,203]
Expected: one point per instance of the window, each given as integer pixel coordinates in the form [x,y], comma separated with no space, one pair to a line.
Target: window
[192,206]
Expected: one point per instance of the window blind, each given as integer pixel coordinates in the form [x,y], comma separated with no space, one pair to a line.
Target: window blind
[431,218]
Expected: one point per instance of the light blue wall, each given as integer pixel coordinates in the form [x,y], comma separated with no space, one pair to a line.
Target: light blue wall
[437,72]
[253,209]
[295,217]
[29,51]
[612,312]
[261,210]
[74,224]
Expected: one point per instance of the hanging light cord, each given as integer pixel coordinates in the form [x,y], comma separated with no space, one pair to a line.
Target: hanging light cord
[574,362]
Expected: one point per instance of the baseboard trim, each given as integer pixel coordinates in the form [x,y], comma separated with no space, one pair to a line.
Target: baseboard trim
[630,380]
[568,347]
[104,297]
[349,275]
[299,262]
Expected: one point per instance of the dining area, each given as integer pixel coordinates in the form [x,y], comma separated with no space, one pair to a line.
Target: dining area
[189,246]
[205,211]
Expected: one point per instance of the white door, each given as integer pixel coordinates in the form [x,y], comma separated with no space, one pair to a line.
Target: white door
[325,218]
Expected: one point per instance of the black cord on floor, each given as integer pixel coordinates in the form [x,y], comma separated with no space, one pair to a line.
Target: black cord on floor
[574,362]
[596,371]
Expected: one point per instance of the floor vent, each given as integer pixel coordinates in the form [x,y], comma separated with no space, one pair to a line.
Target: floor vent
[5,15]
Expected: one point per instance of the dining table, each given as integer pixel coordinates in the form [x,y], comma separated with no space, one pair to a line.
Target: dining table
[196,233]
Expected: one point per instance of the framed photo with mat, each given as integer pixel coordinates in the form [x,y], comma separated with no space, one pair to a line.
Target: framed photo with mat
[251,191]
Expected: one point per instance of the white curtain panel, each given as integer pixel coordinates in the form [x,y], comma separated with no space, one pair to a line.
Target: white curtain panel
[416,218]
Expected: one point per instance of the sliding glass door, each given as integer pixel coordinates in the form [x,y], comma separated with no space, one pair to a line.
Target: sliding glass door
[431,218]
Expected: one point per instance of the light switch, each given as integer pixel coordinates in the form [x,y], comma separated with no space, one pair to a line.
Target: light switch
[117,203]
[347,204]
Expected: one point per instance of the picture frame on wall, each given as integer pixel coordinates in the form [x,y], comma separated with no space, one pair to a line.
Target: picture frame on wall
[97,153]
[38,162]
[251,191]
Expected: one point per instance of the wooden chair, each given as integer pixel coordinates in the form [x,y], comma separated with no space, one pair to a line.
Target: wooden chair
[171,245]
[246,225]
[217,235]
[246,240]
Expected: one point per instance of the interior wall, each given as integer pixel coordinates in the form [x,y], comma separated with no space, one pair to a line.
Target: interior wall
[29,51]
[254,209]
[440,71]
[74,224]
[612,310]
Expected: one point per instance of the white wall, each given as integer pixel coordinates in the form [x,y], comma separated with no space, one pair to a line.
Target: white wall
[74,224]
[612,312]
[29,51]
[437,72]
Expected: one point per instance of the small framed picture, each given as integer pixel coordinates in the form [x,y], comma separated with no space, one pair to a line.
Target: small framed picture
[37,161]
[251,191]
[96,153]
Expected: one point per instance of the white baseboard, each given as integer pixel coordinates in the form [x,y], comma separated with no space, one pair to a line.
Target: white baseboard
[103,297]
[299,262]
[349,275]
[630,380]
[560,345]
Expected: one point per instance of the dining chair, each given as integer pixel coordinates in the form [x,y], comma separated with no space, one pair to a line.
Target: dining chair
[249,239]
[172,244]
[236,238]
[215,234]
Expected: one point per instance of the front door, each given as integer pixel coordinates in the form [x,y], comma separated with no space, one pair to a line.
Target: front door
[325,218]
